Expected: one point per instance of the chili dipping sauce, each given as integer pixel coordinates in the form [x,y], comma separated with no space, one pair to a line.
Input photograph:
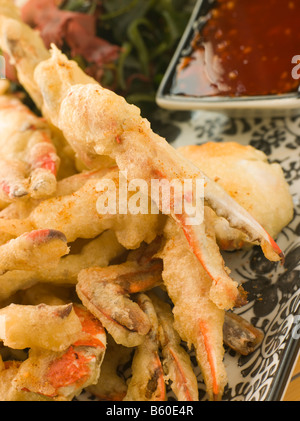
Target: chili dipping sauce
[242,47]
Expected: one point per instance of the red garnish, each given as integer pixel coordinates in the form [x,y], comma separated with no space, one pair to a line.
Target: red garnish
[74,29]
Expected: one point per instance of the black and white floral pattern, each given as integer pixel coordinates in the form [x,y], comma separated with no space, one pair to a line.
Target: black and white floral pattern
[273,289]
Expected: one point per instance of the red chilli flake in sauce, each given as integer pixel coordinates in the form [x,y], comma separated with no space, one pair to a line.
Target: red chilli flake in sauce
[244,48]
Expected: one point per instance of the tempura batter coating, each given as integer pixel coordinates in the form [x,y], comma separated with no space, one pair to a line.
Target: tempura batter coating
[147,381]
[48,327]
[28,158]
[63,375]
[38,247]
[245,173]
[198,320]
[99,251]
[70,214]
[15,36]
[176,361]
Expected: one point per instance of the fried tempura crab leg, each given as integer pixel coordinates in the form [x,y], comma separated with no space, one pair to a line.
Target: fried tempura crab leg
[149,373]
[15,39]
[198,320]
[39,326]
[99,251]
[28,158]
[240,335]
[104,291]
[147,382]
[68,214]
[25,49]
[21,209]
[176,362]
[63,375]
[36,248]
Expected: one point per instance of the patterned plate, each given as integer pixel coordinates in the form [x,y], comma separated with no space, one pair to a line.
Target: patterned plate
[274,294]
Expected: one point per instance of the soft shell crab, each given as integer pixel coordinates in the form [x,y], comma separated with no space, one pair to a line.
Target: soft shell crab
[100,125]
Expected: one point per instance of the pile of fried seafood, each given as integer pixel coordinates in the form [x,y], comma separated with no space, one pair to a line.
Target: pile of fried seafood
[82,292]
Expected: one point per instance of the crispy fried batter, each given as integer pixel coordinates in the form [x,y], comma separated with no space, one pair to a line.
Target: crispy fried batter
[39,326]
[41,248]
[105,292]
[63,375]
[176,361]
[257,185]
[28,158]
[147,381]
[198,320]
[99,251]
[68,214]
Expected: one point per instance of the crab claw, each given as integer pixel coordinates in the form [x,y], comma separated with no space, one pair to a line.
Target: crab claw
[63,375]
[36,248]
[24,46]
[240,335]
[226,207]
[13,184]
[197,319]
[104,291]
[29,161]
[176,361]
[147,382]
[44,164]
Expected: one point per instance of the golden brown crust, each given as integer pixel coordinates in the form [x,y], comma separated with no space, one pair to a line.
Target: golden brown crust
[245,173]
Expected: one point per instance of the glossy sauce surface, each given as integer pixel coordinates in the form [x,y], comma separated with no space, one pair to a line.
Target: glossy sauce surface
[244,48]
